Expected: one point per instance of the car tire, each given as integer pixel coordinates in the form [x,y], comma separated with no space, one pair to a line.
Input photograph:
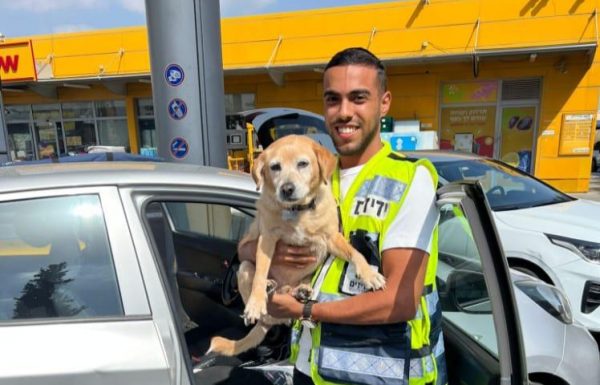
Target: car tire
[594,165]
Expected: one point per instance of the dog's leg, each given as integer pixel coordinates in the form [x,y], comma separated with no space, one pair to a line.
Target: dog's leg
[256,306]
[229,347]
[245,276]
[338,246]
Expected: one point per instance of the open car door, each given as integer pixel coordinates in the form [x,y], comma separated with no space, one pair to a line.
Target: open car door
[480,321]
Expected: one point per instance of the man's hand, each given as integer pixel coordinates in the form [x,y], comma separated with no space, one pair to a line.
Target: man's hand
[284,306]
[293,256]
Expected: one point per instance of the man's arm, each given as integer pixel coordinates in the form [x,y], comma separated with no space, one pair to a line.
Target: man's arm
[294,256]
[404,270]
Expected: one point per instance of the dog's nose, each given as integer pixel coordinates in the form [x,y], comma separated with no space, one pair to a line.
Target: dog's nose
[287,190]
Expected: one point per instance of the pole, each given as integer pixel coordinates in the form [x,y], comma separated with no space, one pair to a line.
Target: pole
[4,134]
[187,80]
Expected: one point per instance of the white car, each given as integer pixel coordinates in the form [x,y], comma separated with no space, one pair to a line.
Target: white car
[544,232]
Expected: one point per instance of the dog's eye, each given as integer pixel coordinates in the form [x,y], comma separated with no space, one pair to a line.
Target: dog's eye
[275,167]
[302,164]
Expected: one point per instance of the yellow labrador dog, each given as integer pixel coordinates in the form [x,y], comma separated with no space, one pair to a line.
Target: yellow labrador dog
[297,207]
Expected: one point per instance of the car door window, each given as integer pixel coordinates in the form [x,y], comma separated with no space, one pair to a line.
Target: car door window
[463,291]
[55,260]
[211,220]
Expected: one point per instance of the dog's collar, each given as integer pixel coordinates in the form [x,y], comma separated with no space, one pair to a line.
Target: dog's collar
[309,206]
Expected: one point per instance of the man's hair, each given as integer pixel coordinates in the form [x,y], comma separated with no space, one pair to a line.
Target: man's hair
[359,56]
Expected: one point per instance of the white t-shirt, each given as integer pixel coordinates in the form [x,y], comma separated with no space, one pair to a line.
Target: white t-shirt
[412,228]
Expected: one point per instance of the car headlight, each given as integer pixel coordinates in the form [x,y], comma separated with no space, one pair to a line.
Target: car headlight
[589,251]
[548,298]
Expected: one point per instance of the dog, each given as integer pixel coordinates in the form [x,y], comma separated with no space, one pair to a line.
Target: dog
[296,206]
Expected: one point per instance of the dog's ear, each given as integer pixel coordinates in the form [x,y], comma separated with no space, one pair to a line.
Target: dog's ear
[257,170]
[327,162]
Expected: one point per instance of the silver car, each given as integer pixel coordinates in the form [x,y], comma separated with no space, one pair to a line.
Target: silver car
[121,272]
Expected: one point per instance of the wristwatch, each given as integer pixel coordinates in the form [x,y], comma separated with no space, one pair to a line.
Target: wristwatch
[306,318]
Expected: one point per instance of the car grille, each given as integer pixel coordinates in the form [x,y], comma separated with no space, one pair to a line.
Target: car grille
[591,297]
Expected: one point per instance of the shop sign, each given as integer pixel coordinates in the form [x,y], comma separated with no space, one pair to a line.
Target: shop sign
[468,129]
[470,92]
[17,62]
[575,134]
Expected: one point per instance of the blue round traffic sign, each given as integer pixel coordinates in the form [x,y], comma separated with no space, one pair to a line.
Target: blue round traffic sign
[179,147]
[174,75]
[177,109]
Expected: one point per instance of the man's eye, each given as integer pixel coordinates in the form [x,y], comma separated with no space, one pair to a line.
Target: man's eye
[275,167]
[302,164]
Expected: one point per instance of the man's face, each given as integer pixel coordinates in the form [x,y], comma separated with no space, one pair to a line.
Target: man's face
[353,107]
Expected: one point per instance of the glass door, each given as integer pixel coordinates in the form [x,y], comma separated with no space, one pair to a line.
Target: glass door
[518,127]
[47,128]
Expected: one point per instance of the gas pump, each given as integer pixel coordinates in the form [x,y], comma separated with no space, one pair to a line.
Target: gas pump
[240,143]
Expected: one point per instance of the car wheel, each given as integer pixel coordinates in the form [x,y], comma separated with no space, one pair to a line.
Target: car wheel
[594,165]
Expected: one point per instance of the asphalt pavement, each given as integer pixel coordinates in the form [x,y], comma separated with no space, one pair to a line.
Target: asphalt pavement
[594,193]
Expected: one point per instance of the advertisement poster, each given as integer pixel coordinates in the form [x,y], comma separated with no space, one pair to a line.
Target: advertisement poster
[459,122]
[575,134]
[518,127]
[470,92]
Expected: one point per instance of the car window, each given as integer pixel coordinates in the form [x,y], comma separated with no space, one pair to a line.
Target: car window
[55,260]
[463,291]
[212,220]
[506,188]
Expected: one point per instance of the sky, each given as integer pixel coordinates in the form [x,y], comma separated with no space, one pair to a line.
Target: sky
[34,17]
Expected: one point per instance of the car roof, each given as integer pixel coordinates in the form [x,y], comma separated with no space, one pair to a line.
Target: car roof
[442,156]
[260,115]
[61,175]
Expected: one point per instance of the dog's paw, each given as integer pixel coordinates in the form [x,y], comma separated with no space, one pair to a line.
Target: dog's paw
[372,280]
[222,346]
[302,292]
[254,311]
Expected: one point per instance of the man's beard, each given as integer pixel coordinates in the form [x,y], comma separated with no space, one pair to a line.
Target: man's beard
[362,146]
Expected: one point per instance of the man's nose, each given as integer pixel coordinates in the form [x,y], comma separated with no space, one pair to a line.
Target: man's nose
[287,189]
[345,112]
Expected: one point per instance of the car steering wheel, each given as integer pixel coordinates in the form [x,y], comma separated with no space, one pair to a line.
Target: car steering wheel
[229,290]
[498,188]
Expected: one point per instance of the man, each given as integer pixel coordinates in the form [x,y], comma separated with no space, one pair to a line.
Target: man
[388,212]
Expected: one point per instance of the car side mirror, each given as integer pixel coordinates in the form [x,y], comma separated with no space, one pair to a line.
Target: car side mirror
[468,292]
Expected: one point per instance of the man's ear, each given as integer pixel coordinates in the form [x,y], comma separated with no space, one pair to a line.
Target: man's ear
[327,162]
[257,170]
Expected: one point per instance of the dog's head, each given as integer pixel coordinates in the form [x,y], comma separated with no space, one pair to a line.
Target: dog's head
[293,168]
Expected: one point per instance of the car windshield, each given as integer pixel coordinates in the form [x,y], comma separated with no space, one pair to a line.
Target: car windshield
[506,188]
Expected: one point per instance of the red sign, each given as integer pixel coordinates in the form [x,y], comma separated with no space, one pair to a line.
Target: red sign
[17,62]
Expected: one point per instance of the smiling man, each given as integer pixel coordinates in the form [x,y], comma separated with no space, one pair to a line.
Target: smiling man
[388,212]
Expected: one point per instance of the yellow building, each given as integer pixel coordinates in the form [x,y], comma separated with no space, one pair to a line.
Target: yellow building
[517,80]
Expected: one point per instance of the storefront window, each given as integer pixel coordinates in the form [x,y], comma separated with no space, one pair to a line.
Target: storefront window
[20,143]
[110,108]
[18,125]
[80,110]
[482,118]
[468,118]
[113,132]
[146,125]
[79,135]
[79,127]
[47,128]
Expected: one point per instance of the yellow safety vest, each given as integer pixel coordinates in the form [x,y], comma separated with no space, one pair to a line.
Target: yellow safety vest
[402,353]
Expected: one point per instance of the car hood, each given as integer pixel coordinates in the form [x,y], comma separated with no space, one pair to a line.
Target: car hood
[579,219]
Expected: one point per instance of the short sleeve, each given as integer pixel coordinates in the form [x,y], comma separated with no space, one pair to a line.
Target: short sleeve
[414,224]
